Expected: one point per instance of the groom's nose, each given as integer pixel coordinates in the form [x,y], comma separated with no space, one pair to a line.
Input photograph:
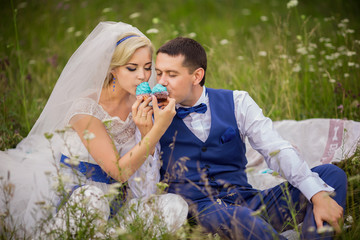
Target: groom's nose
[162,80]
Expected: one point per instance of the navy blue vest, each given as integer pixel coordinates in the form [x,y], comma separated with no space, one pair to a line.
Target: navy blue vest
[193,168]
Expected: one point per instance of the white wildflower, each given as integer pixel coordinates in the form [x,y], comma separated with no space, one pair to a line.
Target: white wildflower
[311,229]
[224,42]
[114,188]
[351,64]
[312,46]
[311,56]
[67,127]
[137,179]
[357,41]
[350,31]
[341,25]
[88,135]
[332,56]
[331,80]
[346,75]
[323,39]
[48,207]
[240,58]
[245,12]
[350,53]
[32,62]
[296,68]
[73,160]
[175,33]
[78,33]
[262,53]
[106,10]
[64,178]
[325,229]
[329,45]
[283,56]
[152,31]
[70,29]
[302,50]
[191,35]
[292,3]
[327,19]
[135,15]
[311,68]
[264,18]
[349,219]
[345,20]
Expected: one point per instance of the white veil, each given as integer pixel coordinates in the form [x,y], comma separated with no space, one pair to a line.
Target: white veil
[30,166]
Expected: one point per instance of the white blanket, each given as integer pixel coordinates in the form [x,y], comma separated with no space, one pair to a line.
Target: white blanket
[319,141]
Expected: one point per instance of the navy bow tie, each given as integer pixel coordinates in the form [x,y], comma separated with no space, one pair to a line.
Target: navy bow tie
[183,112]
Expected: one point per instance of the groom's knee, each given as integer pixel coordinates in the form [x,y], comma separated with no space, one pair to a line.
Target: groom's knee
[330,172]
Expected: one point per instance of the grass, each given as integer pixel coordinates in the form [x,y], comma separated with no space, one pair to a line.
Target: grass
[297,63]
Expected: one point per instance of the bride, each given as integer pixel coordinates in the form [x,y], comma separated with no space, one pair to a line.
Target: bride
[92,134]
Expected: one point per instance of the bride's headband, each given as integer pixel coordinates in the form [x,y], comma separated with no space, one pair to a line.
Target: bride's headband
[123,39]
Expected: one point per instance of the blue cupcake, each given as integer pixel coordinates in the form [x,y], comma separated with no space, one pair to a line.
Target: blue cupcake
[143,90]
[160,92]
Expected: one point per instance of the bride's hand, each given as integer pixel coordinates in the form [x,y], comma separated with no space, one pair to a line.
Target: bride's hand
[163,115]
[142,115]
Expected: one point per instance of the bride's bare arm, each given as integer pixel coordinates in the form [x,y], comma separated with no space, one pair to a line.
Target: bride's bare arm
[104,153]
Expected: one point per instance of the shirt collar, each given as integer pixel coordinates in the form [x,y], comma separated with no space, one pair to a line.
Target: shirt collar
[202,99]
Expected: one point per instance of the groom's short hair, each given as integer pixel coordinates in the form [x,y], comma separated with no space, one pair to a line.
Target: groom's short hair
[194,54]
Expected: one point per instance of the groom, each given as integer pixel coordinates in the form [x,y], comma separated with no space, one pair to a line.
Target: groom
[204,158]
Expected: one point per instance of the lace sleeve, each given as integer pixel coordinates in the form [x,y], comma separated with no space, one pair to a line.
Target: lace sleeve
[84,106]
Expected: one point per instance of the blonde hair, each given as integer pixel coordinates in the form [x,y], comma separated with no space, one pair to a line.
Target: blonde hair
[124,51]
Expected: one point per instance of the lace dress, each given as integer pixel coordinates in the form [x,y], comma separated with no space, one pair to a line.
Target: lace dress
[125,136]
[144,202]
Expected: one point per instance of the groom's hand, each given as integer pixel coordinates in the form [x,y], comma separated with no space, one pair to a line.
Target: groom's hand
[327,209]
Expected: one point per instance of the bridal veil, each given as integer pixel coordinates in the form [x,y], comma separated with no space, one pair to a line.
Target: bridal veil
[30,167]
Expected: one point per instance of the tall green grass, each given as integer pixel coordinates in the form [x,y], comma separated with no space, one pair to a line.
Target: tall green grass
[297,63]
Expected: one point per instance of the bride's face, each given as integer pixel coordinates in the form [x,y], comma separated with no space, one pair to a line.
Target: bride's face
[136,71]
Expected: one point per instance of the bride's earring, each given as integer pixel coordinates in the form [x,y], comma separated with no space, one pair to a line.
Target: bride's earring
[114,84]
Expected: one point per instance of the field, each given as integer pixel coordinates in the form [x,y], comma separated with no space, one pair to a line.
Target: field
[297,61]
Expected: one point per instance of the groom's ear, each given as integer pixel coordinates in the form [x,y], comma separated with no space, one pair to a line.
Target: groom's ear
[198,75]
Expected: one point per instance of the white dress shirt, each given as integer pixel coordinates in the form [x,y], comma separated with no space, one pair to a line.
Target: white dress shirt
[279,154]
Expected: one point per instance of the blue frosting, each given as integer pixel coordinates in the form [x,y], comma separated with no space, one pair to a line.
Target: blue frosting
[143,88]
[159,88]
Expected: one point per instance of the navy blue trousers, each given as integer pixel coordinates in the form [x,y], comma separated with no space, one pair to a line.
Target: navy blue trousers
[268,212]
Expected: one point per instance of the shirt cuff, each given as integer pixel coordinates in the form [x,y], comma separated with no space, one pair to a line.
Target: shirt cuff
[312,185]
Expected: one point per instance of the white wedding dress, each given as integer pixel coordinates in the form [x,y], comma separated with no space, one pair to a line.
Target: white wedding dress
[142,197]
[29,174]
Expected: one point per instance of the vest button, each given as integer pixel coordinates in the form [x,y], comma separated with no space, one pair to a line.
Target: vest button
[212,178]
[203,149]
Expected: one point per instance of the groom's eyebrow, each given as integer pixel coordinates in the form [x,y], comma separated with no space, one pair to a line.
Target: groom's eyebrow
[166,71]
